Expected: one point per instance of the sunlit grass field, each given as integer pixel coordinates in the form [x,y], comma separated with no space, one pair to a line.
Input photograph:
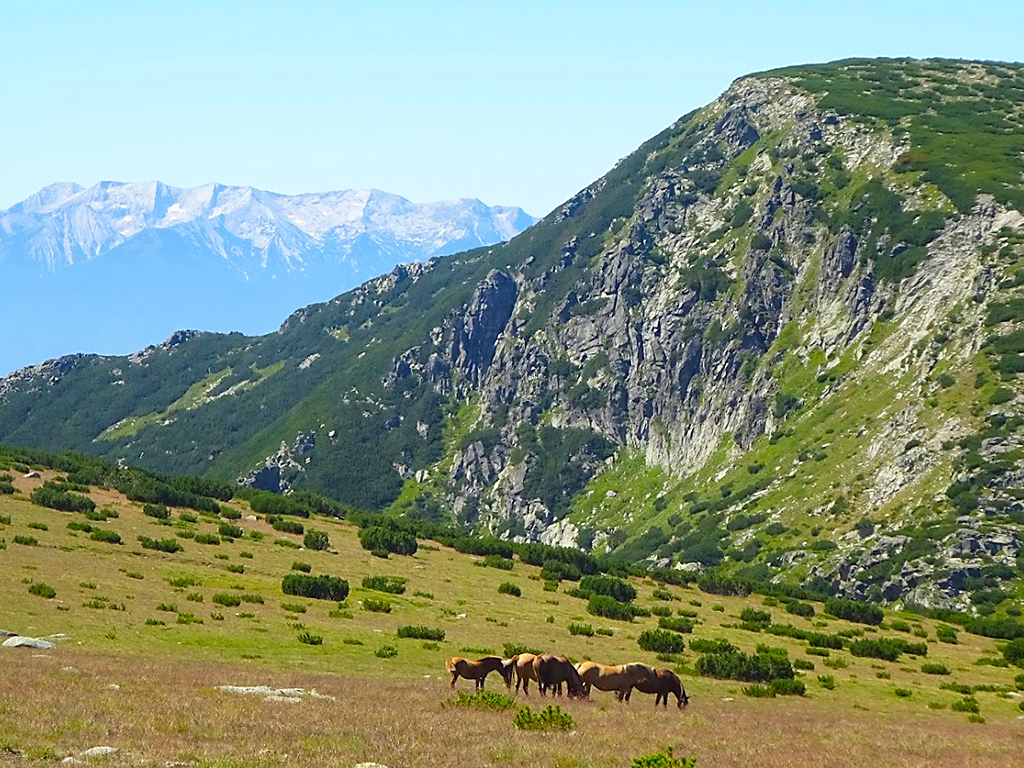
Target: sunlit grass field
[398,711]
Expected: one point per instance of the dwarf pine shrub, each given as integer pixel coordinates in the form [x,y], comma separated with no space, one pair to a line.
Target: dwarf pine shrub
[549,718]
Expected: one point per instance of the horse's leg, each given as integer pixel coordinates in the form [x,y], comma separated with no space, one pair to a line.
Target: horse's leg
[455,676]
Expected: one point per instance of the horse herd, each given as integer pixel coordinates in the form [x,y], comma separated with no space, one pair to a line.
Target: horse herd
[550,672]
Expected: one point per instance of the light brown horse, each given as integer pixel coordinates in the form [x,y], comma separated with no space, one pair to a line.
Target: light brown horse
[619,678]
[552,671]
[478,670]
[523,665]
[664,682]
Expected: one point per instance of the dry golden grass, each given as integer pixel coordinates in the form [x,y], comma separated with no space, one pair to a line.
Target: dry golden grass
[392,710]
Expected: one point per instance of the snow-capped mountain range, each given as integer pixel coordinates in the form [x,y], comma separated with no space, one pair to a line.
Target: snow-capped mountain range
[65,224]
[117,264]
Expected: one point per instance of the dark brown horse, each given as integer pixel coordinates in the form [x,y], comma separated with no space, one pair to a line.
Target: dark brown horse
[552,671]
[662,683]
[478,670]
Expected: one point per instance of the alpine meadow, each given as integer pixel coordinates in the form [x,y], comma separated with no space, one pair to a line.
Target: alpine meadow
[744,415]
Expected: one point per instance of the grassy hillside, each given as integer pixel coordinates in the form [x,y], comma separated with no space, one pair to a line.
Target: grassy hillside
[164,629]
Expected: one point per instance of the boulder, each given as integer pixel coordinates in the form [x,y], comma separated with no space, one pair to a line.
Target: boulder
[100,751]
[28,642]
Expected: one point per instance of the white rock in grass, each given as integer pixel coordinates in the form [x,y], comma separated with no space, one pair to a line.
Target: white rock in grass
[99,751]
[71,761]
[286,699]
[28,642]
[370,765]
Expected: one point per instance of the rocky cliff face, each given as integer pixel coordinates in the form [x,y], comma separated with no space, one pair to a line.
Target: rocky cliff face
[782,338]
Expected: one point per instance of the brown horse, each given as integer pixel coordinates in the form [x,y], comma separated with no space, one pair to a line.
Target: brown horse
[478,670]
[619,678]
[523,665]
[552,671]
[664,682]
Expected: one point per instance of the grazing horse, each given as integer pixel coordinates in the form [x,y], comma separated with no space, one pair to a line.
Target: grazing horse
[662,683]
[620,679]
[552,671]
[523,664]
[478,670]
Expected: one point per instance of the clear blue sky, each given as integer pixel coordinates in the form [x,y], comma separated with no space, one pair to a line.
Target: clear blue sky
[517,103]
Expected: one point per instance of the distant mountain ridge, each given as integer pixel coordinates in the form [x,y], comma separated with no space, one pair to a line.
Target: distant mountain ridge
[232,258]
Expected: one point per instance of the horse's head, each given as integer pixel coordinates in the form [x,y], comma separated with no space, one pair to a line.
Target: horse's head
[574,682]
[684,700]
[508,667]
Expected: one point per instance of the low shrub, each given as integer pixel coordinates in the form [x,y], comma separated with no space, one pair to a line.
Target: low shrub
[421,633]
[105,536]
[227,600]
[966,704]
[512,649]
[610,608]
[586,630]
[661,610]
[609,586]
[229,531]
[498,702]
[508,588]
[304,567]
[787,687]
[235,568]
[307,638]
[663,760]
[827,682]
[800,609]
[754,616]
[251,598]
[285,525]
[757,691]
[803,664]
[549,718]
[317,587]
[661,641]
[934,669]
[207,538]
[679,624]
[705,645]
[157,511]
[499,562]
[946,634]
[161,545]
[556,570]
[387,538]
[386,652]
[39,589]
[888,648]
[903,693]
[376,606]
[394,585]
[736,665]
[293,607]
[316,540]
[26,541]
[851,610]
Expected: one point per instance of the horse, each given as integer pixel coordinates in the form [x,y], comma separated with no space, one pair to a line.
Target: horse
[662,683]
[552,671]
[478,670]
[523,665]
[619,678]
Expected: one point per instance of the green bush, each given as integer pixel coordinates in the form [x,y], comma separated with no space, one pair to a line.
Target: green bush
[42,590]
[497,561]
[27,541]
[294,607]
[304,567]
[316,540]
[421,633]
[1013,651]
[161,545]
[310,639]
[736,665]
[513,649]
[680,624]
[48,495]
[386,652]
[234,567]
[827,682]
[609,586]
[966,704]
[934,669]
[556,570]
[706,645]
[376,606]
[386,538]
[888,648]
[757,691]
[549,718]
[754,616]
[663,594]
[394,585]
[805,664]
[317,587]
[661,641]
[285,525]
[229,531]
[663,760]
[946,634]
[508,588]
[207,538]
[800,609]
[227,600]
[787,687]
[157,511]
[485,700]
[610,608]
[586,630]
[107,537]
[851,610]
[903,693]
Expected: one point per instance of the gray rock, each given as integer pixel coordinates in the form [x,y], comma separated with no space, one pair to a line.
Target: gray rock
[28,642]
[100,751]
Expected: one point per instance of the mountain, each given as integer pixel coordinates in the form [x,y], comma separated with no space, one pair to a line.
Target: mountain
[782,338]
[245,257]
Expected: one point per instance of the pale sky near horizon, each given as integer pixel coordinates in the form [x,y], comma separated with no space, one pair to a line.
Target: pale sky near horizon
[515,103]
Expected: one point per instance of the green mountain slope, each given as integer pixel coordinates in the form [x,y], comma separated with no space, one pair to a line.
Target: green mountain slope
[781,336]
